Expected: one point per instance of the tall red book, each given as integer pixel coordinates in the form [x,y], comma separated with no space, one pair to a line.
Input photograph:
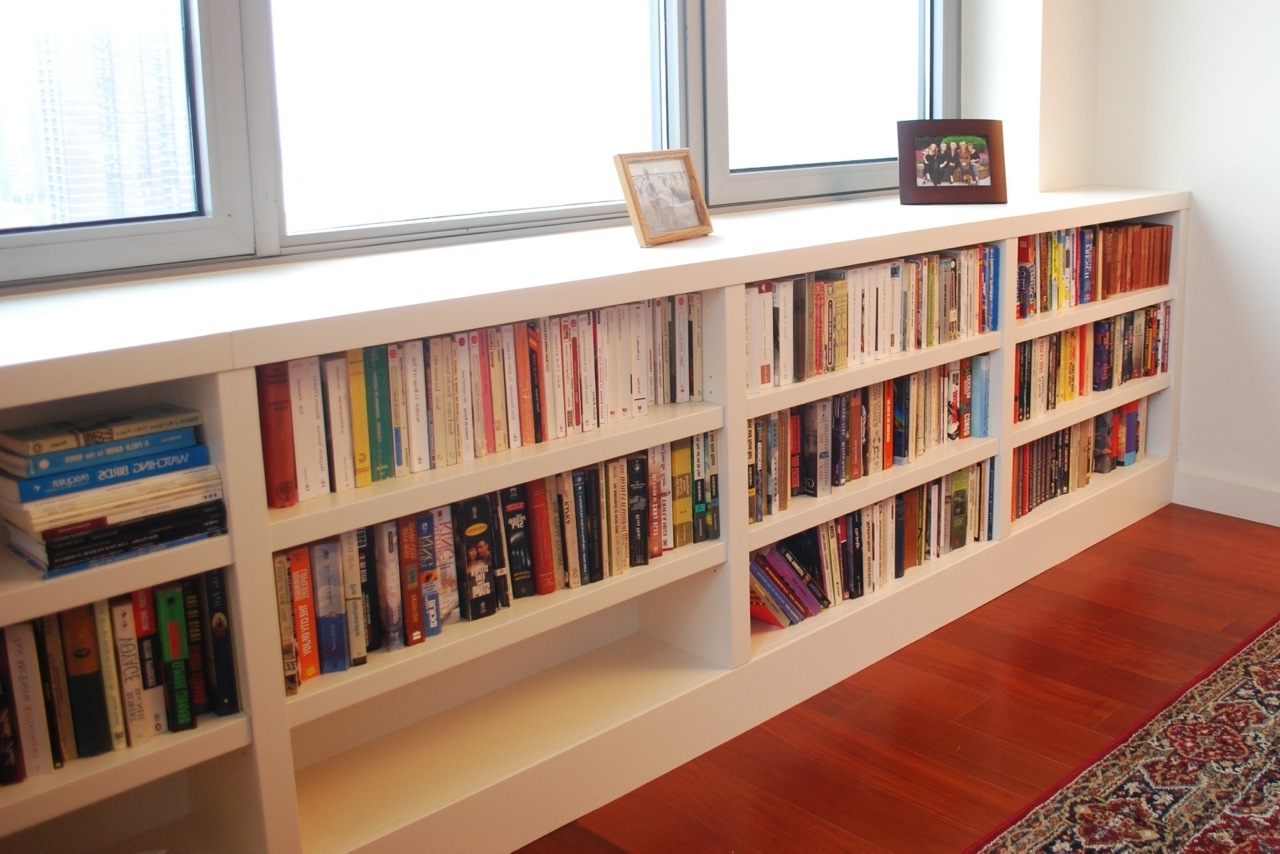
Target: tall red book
[276,423]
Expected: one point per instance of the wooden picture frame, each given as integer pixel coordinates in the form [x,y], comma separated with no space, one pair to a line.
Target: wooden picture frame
[969,171]
[663,196]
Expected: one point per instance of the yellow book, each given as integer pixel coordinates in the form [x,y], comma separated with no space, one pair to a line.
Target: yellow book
[682,491]
[359,417]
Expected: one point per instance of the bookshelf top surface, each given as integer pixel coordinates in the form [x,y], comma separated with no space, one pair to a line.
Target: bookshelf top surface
[238,315]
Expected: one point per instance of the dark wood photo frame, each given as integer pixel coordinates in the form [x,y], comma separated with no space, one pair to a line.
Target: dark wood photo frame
[951,162]
[663,196]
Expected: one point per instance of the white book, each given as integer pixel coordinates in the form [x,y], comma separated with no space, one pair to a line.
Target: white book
[554,351]
[784,328]
[28,698]
[658,320]
[768,377]
[895,307]
[353,597]
[493,361]
[587,383]
[443,441]
[681,331]
[663,453]
[514,437]
[399,409]
[110,675]
[137,720]
[337,399]
[638,347]
[446,565]
[311,456]
[466,426]
[650,353]
[695,347]
[622,360]
[477,361]
[418,404]
[605,411]
[751,334]
[858,315]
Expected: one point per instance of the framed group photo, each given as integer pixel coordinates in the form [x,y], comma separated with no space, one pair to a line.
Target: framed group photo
[951,161]
[663,196]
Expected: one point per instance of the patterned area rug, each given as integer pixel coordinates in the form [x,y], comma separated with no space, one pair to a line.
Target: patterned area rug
[1201,776]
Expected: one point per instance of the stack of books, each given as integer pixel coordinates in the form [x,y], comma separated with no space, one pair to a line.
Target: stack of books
[78,494]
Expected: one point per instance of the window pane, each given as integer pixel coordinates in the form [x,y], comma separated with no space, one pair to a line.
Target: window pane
[826,82]
[397,110]
[95,120]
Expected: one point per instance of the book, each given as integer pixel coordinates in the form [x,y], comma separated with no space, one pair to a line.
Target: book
[28,699]
[284,610]
[53,676]
[446,565]
[68,459]
[302,600]
[275,421]
[428,574]
[638,527]
[329,597]
[386,553]
[337,422]
[129,661]
[11,768]
[353,554]
[410,580]
[356,388]
[573,542]
[17,490]
[541,534]
[197,665]
[467,429]
[74,433]
[219,650]
[474,550]
[494,362]
[517,528]
[110,675]
[682,491]
[84,681]
[418,427]
[171,621]
[377,387]
[310,454]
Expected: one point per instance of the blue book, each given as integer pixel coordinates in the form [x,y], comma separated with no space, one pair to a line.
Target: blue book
[40,465]
[980,395]
[429,573]
[330,606]
[102,474]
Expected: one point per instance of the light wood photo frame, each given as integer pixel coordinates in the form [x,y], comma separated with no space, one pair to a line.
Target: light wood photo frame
[663,196]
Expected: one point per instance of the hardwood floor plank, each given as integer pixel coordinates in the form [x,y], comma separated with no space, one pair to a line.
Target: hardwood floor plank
[953,735]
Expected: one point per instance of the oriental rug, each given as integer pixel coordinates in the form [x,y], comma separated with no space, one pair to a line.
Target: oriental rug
[1202,776]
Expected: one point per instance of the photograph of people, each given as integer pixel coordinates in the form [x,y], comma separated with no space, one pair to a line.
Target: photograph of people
[952,161]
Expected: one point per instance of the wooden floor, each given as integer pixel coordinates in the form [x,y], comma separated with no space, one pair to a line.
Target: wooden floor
[946,740]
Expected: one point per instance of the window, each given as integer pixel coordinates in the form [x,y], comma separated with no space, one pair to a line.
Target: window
[396,119]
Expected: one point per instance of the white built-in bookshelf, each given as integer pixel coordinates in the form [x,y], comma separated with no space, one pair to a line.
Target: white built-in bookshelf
[496,732]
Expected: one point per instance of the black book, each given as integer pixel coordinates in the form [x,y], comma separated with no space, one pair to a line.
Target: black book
[809,449]
[801,554]
[900,536]
[11,766]
[473,533]
[853,577]
[515,527]
[593,522]
[369,589]
[220,660]
[208,519]
[638,508]
[84,681]
[501,578]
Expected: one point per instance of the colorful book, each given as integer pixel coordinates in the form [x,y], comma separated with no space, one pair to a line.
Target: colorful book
[475,548]
[171,620]
[329,596]
[68,459]
[28,698]
[304,613]
[428,574]
[101,474]
[516,527]
[284,609]
[74,433]
[84,681]
[377,386]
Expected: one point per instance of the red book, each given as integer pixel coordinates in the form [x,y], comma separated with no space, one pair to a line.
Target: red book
[886,421]
[410,581]
[544,566]
[276,422]
[483,406]
[524,384]
[304,612]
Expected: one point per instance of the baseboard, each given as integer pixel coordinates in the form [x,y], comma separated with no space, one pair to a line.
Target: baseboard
[1255,502]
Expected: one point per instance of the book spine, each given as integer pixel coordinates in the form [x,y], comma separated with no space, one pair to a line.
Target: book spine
[40,465]
[569,524]
[288,639]
[129,661]
[682,491]
[53,669]
[306,399]
[377,384]
[197,664]
[304,617]
[466,423]
[36,489]
[474,551]
[356,388]
[353,596]
[172,629]
[110,675]
[398,410]
[410,580]
[443,437]
[28,699]
[511,377]
[516,526]
[11,765]
[639,528]
[428,574]
[337,421]
[522,358]
[541,536]
[492,362]
[219,653]
[330,606]
[418,404]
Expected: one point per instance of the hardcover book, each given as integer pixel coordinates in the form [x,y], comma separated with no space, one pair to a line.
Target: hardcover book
[84,681]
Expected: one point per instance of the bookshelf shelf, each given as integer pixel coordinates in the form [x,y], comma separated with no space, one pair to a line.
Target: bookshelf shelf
[606,686]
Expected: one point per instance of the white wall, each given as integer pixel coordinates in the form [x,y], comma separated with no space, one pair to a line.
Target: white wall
[1187,98]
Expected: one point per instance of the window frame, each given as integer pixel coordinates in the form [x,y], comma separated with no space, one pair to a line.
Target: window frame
[223,230]
[237,144]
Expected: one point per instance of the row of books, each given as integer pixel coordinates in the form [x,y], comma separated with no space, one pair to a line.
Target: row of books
[859,553]
[80,494]
[1064,461]
[1066,365]
[804,326]
[115,673]
[1073,266]
[812,448]
[346,420]
[396,583]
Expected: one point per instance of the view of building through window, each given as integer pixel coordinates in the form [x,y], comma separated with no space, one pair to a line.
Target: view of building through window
[94,120]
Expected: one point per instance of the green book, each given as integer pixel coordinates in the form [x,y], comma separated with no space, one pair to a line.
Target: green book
[171,623]
[378,400]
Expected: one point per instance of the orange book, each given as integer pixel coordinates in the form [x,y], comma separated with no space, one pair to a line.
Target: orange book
[410,581]
[524,384]
[304,612]
[544,564]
